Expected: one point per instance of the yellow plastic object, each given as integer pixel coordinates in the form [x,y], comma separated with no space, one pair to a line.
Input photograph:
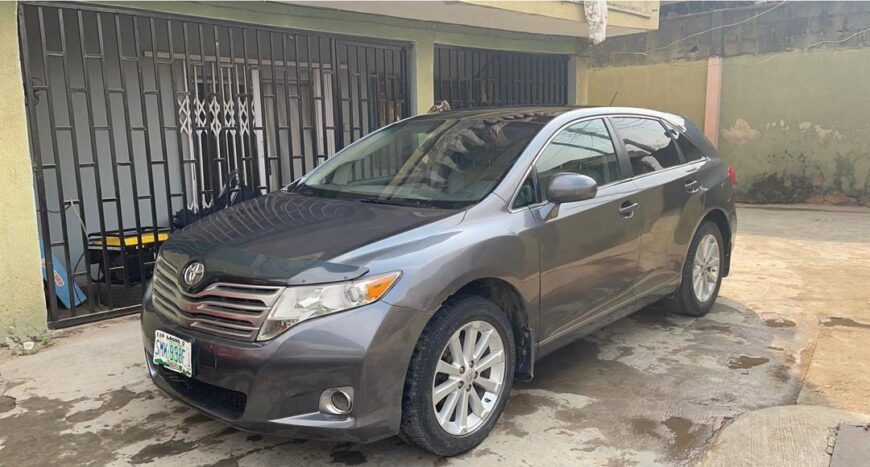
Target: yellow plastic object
[133,240]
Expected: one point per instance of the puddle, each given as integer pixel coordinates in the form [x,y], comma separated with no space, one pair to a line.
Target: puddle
[845,322]
[682,430]
[779,323]
[744,362]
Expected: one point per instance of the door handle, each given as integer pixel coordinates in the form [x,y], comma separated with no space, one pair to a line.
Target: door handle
[627,208]
[692,185]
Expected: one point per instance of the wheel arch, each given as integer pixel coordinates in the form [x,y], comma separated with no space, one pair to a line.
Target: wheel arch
[510,301]
[720,219]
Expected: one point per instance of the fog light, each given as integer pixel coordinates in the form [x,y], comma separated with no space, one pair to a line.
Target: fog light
[337,401]
[340,401]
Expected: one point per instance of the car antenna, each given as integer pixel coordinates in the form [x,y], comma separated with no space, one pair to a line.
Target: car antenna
[613,99]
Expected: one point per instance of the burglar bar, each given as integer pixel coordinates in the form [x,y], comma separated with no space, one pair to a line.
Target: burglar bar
[120,102]
[469,78]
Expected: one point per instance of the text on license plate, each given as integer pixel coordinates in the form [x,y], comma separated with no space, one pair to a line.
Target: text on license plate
[172,353]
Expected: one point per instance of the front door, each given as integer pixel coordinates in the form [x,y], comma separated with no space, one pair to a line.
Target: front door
[590,248]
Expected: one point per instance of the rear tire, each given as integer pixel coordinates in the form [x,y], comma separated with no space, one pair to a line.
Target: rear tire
[435,373]
[702,273]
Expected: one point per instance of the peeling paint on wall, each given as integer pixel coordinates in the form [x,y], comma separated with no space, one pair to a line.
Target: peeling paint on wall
[814,137]
[740,133]
[821,134]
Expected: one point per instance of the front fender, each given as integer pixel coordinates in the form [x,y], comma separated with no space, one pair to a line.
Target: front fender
[488,242]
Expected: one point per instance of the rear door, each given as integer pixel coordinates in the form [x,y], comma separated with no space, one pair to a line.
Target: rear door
[589,249]
[669,194]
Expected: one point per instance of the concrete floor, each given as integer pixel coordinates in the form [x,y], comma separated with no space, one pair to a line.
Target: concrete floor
[791,327]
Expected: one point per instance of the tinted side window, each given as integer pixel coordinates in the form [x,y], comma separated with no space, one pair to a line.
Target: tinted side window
[688,148]
[647,143]
[584,148]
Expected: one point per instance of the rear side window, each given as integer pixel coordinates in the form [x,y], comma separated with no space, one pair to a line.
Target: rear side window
[647,143]
[584,148]
[690,152]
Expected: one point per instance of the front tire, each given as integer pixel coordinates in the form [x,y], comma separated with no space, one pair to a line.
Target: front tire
[460,377]
[702,273]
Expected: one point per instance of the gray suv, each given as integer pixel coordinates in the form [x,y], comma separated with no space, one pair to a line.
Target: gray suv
[402,286]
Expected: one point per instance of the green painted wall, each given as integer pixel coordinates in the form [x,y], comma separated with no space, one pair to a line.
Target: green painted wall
[22,305]
[797,126]
[679,88]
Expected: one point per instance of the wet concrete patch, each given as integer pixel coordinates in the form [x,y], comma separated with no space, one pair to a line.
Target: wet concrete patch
[486,452]
[645,426]
[159,450]
[196,418]
[844,322]
[779,323]
[6,403]
[654,315]
[524,403]
[685,433]
[745,362]
[43,420]
[720,328]
[683,436]
[510,428]
[647,368]
[110,401]
[782,373]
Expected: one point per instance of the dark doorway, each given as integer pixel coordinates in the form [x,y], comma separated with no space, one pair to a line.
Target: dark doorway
[469,78]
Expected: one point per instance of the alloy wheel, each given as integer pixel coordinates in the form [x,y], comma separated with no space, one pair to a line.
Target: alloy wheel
[469,378]
[705,270]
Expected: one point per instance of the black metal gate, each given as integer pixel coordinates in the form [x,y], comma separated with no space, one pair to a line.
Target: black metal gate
[468,78]
[140,122]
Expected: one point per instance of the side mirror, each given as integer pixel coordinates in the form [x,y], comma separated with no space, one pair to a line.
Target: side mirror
[570,187]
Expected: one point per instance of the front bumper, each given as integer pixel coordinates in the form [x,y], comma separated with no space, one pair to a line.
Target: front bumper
[274,387]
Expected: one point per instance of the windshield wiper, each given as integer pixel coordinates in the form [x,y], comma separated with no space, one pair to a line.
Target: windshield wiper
[393,202]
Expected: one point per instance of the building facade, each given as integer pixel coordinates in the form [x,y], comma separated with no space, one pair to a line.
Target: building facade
[123,122]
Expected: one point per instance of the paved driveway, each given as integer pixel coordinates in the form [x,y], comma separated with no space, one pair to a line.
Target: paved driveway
[651,389]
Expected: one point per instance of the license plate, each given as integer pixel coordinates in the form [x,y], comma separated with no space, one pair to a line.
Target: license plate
[172,353]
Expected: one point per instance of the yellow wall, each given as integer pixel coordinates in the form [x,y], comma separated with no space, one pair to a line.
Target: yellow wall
[22,304]
[679,88]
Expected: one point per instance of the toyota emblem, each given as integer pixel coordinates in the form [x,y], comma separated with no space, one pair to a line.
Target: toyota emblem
[193,273]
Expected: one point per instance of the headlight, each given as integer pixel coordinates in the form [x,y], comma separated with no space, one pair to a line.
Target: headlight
[298,303]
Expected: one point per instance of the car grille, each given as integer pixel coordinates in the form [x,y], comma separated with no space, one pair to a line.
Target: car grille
[234,311]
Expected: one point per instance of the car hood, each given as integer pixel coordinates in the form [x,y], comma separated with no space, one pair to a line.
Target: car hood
[289,238]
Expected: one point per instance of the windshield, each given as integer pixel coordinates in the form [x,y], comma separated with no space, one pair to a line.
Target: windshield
[437,162]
